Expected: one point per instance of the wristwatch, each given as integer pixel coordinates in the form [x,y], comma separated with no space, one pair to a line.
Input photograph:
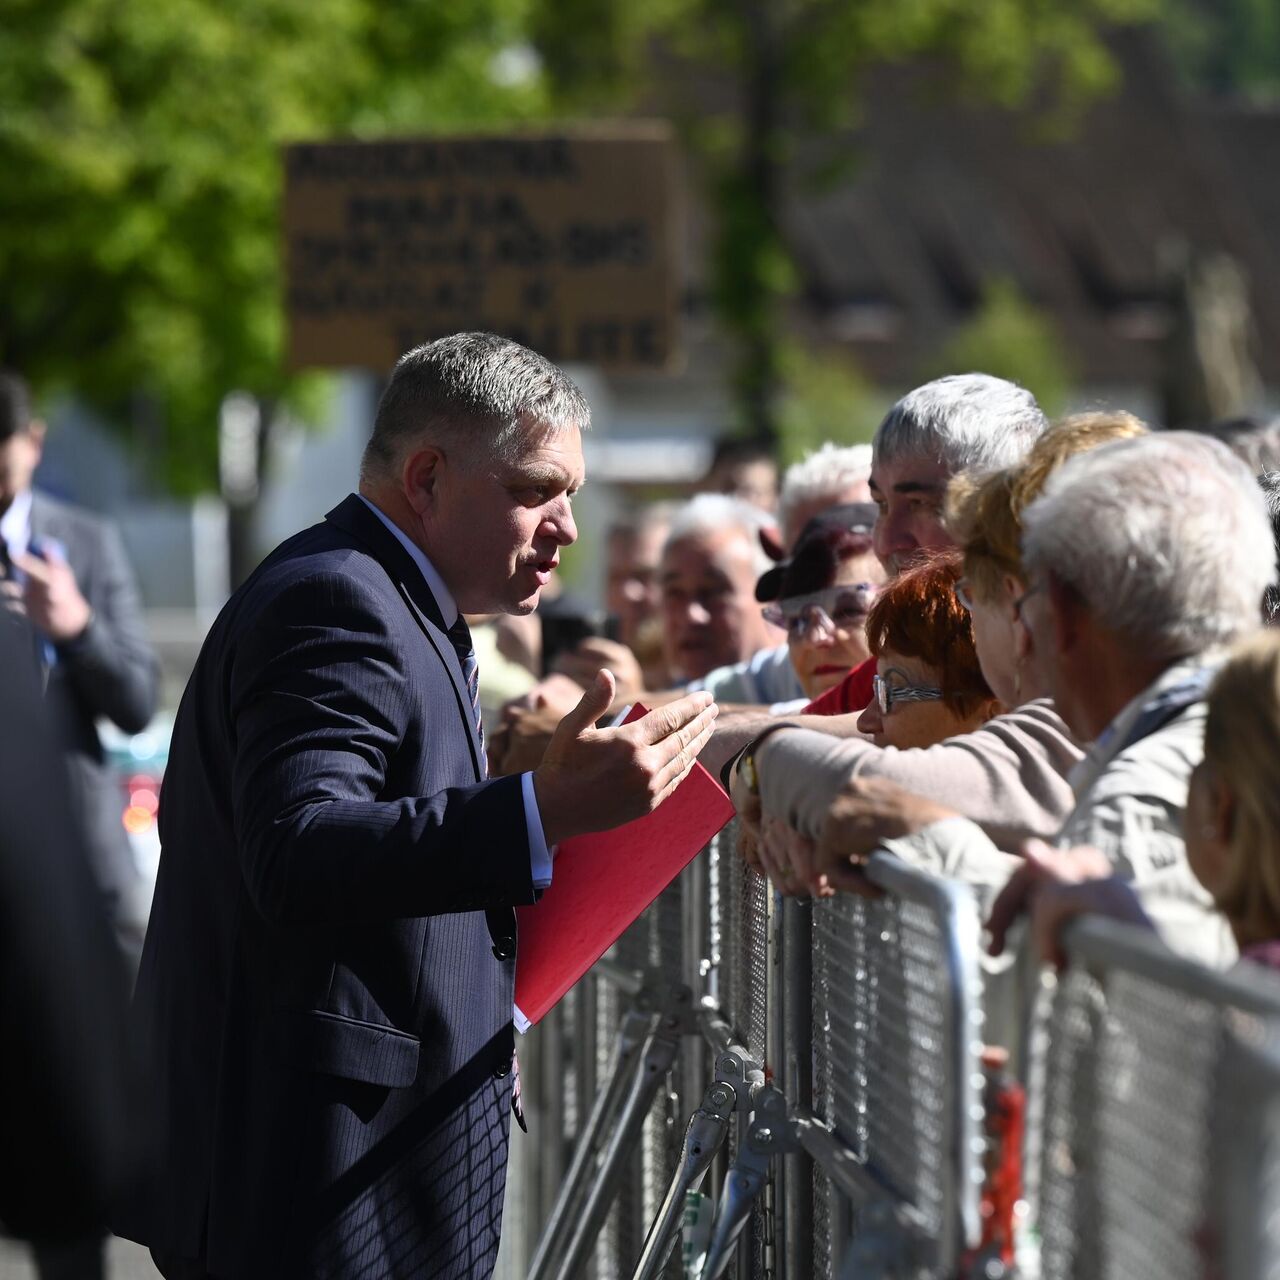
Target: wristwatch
[746,761]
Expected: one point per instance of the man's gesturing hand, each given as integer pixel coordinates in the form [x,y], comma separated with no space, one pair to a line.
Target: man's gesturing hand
[592,779]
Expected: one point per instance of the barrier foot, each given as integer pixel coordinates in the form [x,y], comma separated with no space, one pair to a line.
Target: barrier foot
[626,1059]
[770,1134]
[703,1138]
[655,1061]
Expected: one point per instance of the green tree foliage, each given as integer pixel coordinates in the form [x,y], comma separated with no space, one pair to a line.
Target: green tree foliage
[1229,47]
[752,79]
[824,398]
[140,244]
[1010,338]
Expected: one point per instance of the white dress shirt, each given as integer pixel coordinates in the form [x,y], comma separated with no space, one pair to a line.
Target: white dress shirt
[15,525]
[539,854]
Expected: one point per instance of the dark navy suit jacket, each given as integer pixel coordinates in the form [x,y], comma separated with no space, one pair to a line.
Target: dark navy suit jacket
[327,980]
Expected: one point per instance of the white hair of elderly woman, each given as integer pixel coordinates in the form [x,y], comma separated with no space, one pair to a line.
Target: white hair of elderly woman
[1166,538]
[712,512]
[833,469]
[967,421]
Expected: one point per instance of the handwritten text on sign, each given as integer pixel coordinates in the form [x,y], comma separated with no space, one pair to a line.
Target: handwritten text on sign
[565,243]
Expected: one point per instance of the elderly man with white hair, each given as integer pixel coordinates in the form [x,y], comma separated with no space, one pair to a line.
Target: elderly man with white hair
[1144,558]
[706,583]
[831,476]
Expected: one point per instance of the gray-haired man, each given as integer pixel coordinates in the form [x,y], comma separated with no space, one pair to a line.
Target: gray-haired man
[326,988]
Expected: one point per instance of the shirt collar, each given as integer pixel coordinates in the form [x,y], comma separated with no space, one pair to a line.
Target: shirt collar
[435,583]
[1179,685]
[15,524]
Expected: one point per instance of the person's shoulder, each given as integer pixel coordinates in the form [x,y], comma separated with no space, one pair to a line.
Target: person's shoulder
[1159,764]
[1033,724]
[49,510]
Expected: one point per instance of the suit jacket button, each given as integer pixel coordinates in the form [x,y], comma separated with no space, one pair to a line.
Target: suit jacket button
[502,1070]
[505,948]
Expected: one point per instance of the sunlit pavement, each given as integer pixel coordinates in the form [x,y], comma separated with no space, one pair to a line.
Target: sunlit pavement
[126,1261]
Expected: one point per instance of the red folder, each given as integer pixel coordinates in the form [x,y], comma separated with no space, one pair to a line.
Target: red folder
[602,882]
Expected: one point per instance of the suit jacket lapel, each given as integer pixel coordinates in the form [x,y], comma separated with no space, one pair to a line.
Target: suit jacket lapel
[353,517]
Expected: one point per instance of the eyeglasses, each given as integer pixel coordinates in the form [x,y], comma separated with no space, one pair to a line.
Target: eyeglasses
[822,613]
[1025,596]
[964,596]
[887,694]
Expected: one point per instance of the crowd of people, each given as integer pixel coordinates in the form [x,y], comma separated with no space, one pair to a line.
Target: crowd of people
[1034,657]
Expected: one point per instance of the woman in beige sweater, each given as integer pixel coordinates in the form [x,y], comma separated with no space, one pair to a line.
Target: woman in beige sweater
[1009,776]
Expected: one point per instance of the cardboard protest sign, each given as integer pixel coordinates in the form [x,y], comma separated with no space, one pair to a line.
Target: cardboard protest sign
[566,242]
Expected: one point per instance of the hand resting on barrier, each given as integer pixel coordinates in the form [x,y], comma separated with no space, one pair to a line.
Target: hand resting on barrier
[1054,886]
[863,815]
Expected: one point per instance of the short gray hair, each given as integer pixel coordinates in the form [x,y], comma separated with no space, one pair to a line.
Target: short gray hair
[712,512]
[1166,538]
[832,469]
[967,421]
[474,389]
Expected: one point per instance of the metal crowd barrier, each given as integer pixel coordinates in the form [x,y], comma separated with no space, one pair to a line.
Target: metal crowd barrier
[1158,1153]
[817,1071]
[813,1068]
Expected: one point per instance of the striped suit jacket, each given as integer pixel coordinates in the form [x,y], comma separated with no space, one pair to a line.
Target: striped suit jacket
[325,991]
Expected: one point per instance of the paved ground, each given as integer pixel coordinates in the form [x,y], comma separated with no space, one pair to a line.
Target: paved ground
[126,1261]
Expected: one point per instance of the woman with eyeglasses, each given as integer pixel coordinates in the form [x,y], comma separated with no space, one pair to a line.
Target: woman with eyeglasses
[827,589]
[1009,773]
[928,684]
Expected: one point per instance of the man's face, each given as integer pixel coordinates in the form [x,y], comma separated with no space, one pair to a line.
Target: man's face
[754,482]
[19,457]
[908,492]
[710,617]
[631,577]
[494,528]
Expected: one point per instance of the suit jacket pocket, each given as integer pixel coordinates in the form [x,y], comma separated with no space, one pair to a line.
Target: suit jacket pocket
[364,1051]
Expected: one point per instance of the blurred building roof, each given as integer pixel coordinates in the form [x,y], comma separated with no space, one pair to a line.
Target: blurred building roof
[942,198]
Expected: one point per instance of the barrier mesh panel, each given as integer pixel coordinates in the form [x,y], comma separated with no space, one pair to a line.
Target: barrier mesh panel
[739,939]
[623,1234]
[880,1012]
[1133,1080]
[743,954]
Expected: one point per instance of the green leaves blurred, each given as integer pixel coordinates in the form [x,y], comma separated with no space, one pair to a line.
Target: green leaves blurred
[140,246]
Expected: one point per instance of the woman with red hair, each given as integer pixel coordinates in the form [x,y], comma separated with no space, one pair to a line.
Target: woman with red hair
[928,684]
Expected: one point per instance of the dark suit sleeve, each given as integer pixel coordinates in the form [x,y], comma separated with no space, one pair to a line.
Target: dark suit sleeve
[112,666]
[321,698]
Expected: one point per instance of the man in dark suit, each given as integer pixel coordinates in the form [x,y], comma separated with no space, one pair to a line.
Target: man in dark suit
[68,1106]
[328,975]
[66,570]
[66,587]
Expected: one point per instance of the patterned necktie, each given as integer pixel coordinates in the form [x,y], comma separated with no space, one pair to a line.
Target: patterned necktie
[460,635]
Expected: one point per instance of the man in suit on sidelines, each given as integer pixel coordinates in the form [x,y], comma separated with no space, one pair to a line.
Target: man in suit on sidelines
[65,581]
[66,571]
[327,980]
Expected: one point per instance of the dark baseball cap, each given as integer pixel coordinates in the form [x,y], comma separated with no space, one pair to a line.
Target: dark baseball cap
[849,517]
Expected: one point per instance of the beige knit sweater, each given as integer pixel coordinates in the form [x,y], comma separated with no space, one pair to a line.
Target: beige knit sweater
[1010,776]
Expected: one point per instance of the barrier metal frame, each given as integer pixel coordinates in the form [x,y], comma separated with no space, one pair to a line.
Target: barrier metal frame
[894,1237]
[1245,1083]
